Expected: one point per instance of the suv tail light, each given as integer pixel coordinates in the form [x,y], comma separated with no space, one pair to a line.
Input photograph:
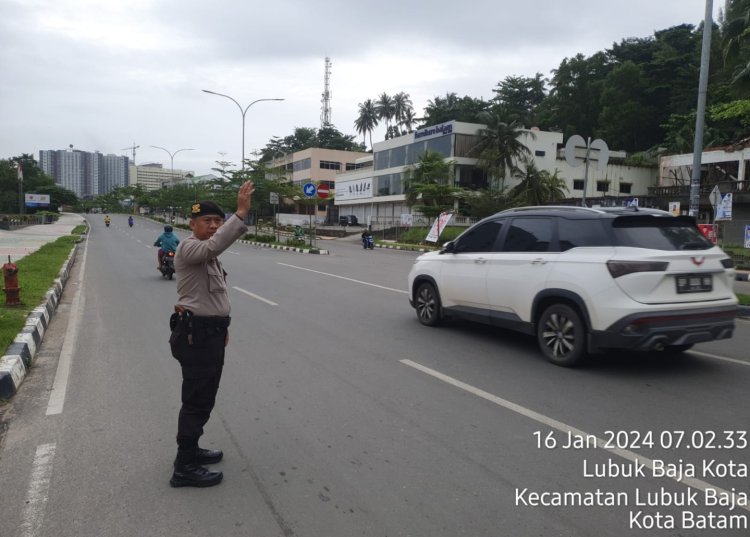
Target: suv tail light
[621,268]
[727,263]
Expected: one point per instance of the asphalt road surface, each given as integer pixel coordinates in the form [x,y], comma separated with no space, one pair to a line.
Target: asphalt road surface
[340,415]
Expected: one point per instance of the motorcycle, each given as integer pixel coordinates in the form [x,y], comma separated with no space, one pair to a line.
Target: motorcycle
[368,242]
[130,221]
[167,265]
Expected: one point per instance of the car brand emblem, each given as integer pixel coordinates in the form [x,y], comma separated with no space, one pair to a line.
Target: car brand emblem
[697,261]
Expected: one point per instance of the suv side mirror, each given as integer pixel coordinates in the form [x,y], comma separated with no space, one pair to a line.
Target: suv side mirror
[448,247]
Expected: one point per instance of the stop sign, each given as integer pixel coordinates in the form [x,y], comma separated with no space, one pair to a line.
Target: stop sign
[323,191]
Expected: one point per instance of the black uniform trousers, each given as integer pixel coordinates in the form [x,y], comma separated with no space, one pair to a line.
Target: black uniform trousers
[201,358]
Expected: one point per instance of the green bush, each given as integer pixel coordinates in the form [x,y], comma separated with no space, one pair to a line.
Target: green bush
[417,235]
[297,243]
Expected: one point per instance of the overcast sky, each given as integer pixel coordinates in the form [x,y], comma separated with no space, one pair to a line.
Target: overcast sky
[106,74]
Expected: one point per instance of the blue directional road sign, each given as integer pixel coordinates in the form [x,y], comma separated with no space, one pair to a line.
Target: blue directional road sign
[309,190]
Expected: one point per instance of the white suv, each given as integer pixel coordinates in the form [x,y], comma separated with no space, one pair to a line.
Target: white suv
[582,280]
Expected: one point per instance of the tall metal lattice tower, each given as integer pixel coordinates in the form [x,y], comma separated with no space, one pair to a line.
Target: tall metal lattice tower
[325,110]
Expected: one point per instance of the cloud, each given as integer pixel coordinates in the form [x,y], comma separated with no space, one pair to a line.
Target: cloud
[102,75]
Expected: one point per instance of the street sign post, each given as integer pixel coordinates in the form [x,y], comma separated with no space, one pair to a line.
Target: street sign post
[323,191]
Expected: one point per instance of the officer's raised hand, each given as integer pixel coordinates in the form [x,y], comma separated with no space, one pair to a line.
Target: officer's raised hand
[244,196]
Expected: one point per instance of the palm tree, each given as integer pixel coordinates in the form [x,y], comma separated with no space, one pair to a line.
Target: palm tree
[499,146]
[538,187]
[401,106]
[429,185]
[409,120]
[367,119]
[736,38]
[441,109]
[385,108]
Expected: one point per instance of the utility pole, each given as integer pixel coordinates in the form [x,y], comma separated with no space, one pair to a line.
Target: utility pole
[695,180]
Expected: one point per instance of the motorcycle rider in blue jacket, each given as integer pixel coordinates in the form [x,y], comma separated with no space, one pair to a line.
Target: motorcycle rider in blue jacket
[167,242]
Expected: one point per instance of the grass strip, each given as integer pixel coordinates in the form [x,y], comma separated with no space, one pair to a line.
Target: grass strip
[36,275]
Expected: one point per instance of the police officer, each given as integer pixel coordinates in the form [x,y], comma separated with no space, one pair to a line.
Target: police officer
[199,331]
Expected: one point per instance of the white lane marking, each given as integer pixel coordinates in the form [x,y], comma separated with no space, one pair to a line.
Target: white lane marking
[248,293]
[60,385]
[37,493]
[347,279]
[233,252]
[717,357]
[567,429]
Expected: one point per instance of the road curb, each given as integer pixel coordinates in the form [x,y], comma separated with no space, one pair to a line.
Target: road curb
[743,311]
[20,354]
[287,248]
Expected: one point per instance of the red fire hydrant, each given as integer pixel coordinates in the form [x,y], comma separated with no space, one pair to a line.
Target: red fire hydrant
[12,291]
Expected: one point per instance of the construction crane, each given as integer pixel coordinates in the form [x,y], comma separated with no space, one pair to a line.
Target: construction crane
[131,148]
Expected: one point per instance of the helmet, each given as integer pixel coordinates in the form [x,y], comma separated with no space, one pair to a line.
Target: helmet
[167,228]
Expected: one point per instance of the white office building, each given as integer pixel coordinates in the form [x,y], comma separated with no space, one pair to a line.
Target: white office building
[376,188]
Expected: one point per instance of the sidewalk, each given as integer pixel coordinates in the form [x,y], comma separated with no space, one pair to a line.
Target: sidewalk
[17,358]
[21,242]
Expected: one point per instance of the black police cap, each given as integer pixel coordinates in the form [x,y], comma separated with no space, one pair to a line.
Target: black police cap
[203,208]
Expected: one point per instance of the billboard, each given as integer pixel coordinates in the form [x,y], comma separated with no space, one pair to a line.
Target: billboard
[37,200]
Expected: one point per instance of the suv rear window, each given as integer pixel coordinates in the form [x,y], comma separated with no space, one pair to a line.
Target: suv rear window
[658,233]
[585,232]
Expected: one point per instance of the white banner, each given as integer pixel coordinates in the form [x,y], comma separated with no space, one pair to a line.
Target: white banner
[438,226]
[36,200]
[724,209]
[407,219]
[674,208]
[354,190]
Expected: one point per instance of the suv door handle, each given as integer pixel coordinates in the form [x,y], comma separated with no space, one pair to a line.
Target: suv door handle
[480,261]
[539,261]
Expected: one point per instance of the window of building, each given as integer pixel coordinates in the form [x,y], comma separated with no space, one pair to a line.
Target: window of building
[329,165]
[304,164]
[602,186]
[350,166]
[625,188]
[467,145]
[578,184]
[442,145]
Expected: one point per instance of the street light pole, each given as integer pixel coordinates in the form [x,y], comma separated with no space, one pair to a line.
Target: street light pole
[243,112]
[171,159]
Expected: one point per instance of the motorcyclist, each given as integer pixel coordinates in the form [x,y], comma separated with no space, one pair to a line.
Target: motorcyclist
[107,220]
[130,221]
[366,237]
[167,242]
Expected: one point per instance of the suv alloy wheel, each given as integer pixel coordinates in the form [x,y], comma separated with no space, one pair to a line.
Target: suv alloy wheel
[562,335]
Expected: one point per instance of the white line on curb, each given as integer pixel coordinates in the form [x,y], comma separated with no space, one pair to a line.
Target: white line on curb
[60,385]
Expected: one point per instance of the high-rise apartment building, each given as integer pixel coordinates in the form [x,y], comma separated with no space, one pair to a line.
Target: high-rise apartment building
[85,173]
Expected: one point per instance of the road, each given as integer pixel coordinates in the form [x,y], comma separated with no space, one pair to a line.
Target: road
[340,415]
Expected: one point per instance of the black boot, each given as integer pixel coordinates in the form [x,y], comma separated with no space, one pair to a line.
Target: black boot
[208,456]
[193,475]
[189,473]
